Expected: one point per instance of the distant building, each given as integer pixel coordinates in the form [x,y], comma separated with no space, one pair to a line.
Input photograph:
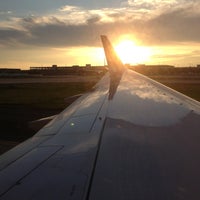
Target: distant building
[12,72]
[153,69]
[65,70]
[9,70]
[54,67]
[88,66]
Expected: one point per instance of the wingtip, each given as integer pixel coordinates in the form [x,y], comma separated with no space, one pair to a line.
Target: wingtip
[103,36]
[113,61]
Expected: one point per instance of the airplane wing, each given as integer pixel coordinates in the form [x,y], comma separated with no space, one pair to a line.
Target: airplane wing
[130,138]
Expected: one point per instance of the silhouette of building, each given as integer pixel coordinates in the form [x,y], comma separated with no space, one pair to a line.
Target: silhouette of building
[65,70]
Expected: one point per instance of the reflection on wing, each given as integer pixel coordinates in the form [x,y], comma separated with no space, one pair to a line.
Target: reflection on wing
[146,103]
[130,138]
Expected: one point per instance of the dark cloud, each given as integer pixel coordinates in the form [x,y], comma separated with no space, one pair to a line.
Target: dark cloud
[175,26]
[57,33]
[9,37]
[117,15]
[94,19]
[72,35]
[181,25]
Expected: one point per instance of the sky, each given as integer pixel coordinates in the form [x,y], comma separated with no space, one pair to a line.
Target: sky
[67,32]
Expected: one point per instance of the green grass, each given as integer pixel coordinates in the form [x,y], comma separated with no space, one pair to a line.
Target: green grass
[41,95]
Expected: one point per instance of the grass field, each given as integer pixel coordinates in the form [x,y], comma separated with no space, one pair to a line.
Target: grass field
[22,103]
[41,95]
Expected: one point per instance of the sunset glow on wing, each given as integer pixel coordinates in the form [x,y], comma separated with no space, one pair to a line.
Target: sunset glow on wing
[130,53]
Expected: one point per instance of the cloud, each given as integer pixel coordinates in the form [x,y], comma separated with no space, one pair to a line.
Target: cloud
[68,8]
[94,19]
[5,12]
[11,37]
[179,25]
[151,5]
[74,26]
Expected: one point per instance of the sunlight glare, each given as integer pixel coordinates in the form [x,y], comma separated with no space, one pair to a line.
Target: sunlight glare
[130,53]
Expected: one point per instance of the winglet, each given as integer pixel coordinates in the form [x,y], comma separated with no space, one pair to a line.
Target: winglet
[116,67]
[114,63]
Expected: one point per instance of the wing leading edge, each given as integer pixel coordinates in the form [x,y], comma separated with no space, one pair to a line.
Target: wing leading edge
[134,139]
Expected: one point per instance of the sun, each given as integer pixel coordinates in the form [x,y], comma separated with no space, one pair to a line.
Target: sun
[130,53]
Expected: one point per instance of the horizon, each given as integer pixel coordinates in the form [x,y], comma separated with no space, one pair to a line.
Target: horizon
[93,66]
